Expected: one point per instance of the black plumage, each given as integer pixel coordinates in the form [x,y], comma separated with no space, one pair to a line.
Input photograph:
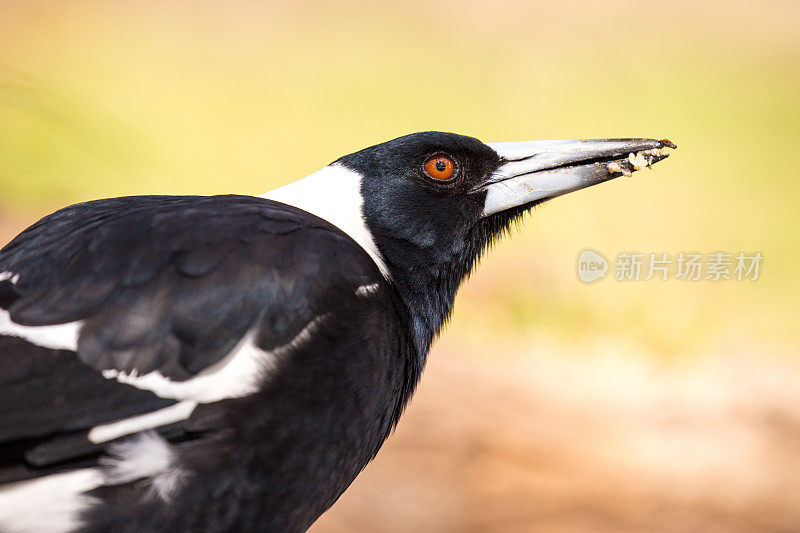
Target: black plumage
[193,275]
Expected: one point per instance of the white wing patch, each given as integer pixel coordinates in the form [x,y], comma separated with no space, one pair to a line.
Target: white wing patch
[300,338]
[14,278]
[366,290]
[168,415]
[51,504]
[237,375]
[334,194]
[146,455]
[240,373]
[54,504]
[58,337]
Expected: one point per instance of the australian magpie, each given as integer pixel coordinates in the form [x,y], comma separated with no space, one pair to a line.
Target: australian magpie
[231,363]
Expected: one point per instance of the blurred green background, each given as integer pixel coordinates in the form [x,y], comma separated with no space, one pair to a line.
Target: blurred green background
[102,98]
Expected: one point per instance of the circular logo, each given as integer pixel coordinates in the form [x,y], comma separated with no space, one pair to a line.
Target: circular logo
[591,266]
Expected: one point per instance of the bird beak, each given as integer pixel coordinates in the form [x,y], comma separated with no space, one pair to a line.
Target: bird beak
[539,170]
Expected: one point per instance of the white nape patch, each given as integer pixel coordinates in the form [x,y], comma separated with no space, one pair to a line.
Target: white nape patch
[58,337]
[146,455]
[13,278]
[168,415]
[51,504]
[334,194]
[366,290]
[238,374]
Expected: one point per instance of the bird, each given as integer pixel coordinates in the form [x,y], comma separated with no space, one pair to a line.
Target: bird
[233,362]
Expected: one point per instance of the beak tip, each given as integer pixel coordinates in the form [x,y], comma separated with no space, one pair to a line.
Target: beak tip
[668,143]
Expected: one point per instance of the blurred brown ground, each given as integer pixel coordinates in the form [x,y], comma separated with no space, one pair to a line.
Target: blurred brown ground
[552,444]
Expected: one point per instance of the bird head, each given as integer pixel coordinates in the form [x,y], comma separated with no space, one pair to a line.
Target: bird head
[426,205]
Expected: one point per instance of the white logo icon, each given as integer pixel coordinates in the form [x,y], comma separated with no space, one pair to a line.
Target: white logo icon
[591,266]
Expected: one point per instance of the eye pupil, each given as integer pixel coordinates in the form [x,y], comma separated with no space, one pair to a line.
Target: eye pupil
[440,168]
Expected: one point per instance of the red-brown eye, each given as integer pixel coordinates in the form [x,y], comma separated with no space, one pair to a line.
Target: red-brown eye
[440,167]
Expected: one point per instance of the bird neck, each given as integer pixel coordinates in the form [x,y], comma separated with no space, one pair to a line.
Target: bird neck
[427,282]
[428,278]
